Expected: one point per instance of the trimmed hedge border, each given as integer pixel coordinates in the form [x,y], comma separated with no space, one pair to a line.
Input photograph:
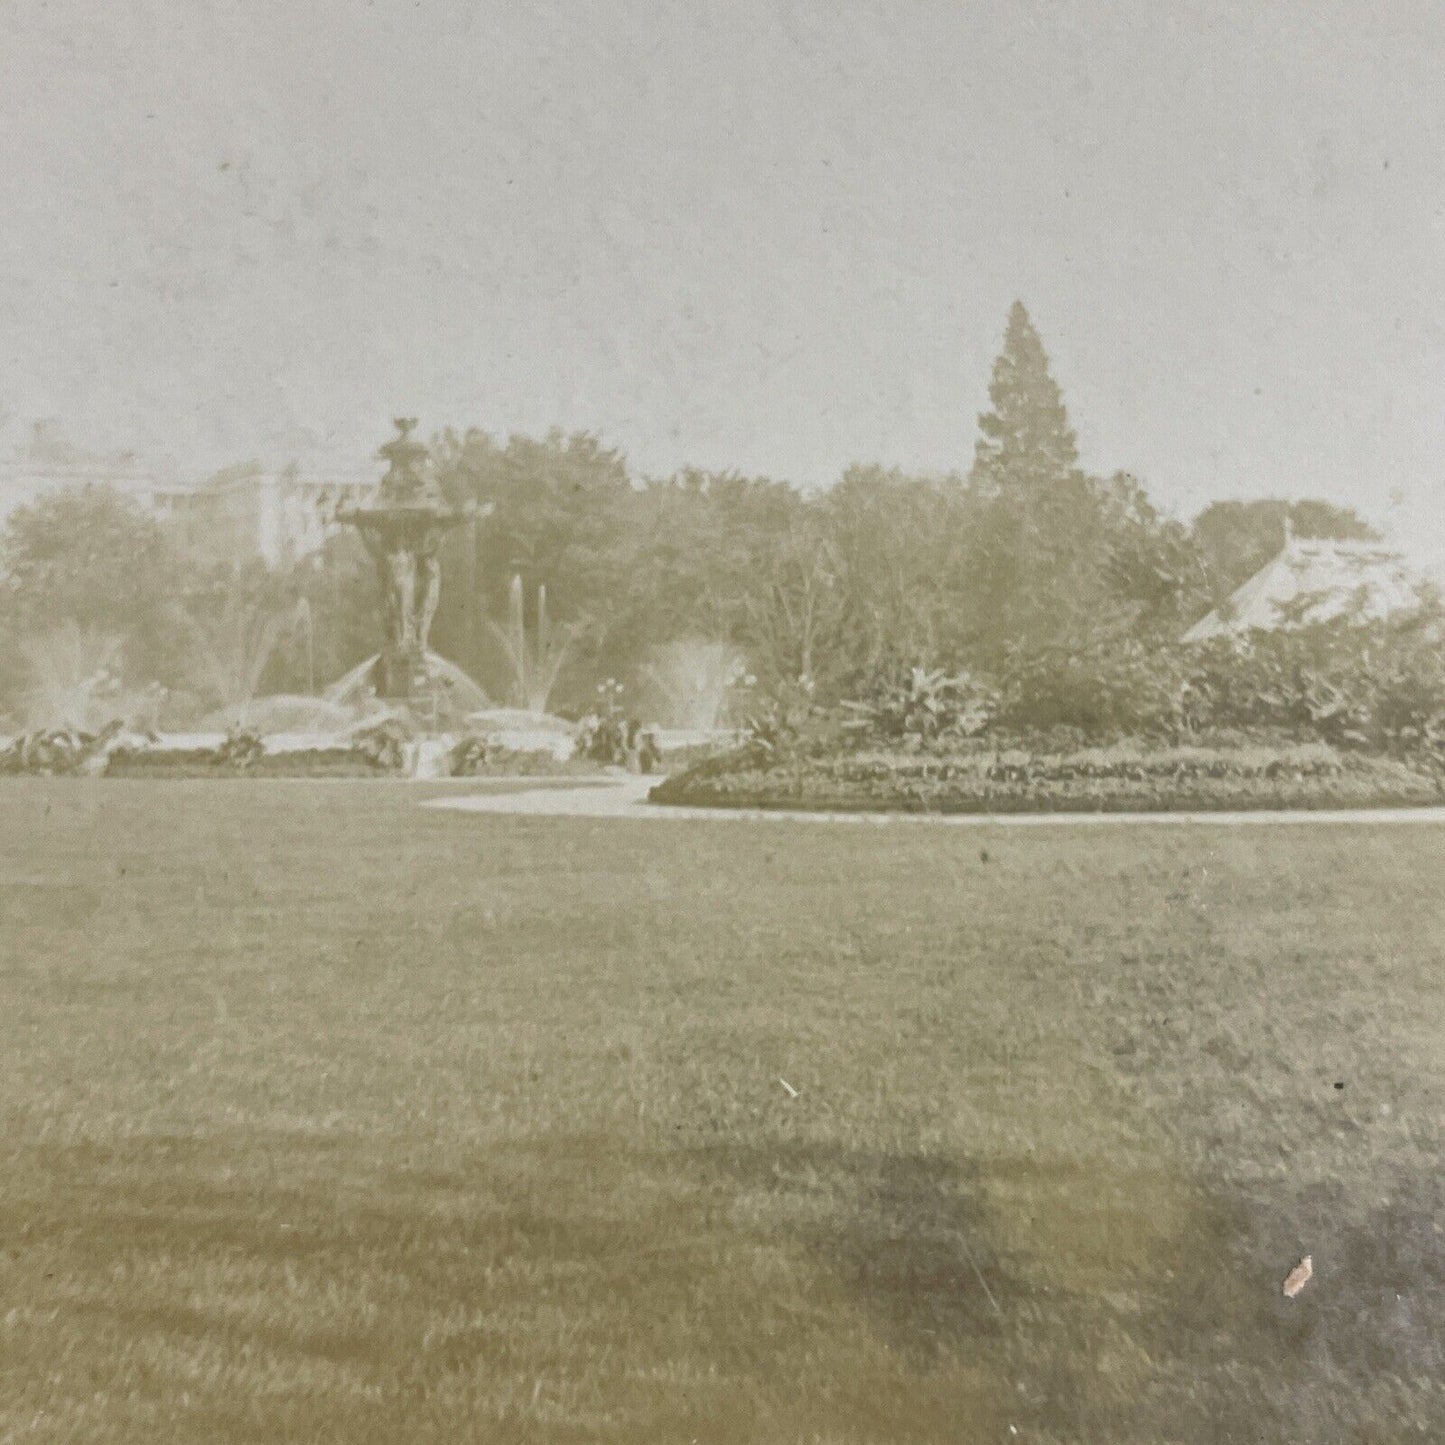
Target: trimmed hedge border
[328,763]
[203,763]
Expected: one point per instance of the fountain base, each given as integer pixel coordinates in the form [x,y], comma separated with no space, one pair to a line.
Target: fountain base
[437,693]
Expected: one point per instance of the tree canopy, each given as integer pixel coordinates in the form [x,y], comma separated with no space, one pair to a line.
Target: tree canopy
[91,557]
[1028,557]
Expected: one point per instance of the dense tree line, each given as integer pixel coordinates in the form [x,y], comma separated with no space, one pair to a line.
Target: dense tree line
[1023,559]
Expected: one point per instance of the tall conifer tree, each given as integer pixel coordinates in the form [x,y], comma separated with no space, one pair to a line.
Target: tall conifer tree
[1026,444]
[1036,555]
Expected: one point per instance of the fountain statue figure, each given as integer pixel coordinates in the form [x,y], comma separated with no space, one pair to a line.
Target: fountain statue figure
[403,525]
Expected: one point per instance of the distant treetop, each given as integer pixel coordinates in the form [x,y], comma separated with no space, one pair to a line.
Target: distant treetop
[1026,442]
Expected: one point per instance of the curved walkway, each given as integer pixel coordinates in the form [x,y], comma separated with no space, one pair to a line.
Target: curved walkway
[627,798]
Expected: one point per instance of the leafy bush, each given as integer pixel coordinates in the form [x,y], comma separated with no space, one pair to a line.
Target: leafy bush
[602,738]
[787,717]
[615,741]
[472,755]
[1377,685]
[769,732]
[923,707]
[241,750]
[1107,686]
[383,744]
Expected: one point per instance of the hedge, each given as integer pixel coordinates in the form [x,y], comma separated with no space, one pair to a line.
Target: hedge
[204,763]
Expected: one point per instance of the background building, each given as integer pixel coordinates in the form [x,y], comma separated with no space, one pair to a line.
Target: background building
[246,511]
[239,513]
[1313,580]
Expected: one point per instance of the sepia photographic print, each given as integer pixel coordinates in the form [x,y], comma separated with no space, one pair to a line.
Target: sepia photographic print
[722,722]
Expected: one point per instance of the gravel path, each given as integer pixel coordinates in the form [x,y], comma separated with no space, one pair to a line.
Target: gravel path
[627,798]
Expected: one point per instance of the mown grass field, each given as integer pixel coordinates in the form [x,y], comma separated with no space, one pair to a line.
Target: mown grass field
[331,1118]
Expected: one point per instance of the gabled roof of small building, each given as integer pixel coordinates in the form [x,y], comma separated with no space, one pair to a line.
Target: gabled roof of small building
[1314,580]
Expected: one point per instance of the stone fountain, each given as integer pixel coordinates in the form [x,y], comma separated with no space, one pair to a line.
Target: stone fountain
[403,525]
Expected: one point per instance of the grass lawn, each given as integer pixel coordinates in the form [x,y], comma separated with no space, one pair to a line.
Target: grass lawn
[331,1118]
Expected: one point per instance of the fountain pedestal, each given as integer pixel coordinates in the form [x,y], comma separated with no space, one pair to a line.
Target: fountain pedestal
[400,673]
[403,526]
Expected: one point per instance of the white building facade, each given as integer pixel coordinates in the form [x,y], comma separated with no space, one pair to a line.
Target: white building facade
[245,512]
[239,514]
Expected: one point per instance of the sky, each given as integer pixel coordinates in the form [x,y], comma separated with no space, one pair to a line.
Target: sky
[756,234]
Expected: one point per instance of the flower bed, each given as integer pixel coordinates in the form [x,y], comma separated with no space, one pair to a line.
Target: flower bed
[1086,780]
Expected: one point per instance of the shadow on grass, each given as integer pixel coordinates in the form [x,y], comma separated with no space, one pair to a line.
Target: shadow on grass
[741,1293]
[907,1236]
[1127,1305]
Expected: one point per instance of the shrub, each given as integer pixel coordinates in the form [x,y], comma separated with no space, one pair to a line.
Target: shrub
[1106,687]
[471,755]
[923,707]
[383,744]
[602,738]
[615,741]
[241,750]
[1377,685]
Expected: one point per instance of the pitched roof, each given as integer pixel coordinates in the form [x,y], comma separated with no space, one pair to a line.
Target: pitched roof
[1313,580]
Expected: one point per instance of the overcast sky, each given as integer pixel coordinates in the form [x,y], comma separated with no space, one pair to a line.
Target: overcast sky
[753,233]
